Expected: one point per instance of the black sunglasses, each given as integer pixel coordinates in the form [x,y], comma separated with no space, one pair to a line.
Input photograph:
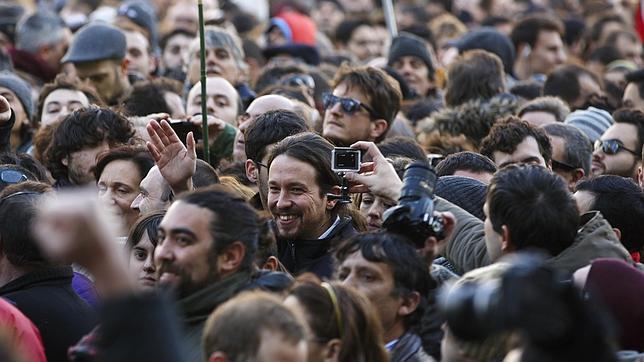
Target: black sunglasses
[612,147]
[299,80]
[12,176]
[349,105]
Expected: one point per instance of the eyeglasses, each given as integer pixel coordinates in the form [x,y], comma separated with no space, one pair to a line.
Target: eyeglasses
[12,176]
[260,164]
[612,147]
[349,105]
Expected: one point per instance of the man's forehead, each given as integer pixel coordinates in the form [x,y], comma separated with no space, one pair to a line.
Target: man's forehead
[181,214]
[357,260]
[350,91]
[625,132]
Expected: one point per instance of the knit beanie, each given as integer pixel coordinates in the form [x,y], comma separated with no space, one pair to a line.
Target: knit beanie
[620,288]
[464,192]
[302,29]
[20,88]
[406,44]
[592,121]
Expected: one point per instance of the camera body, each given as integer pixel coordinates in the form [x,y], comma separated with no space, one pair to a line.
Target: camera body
[414,216]
[345,159]
[182,128]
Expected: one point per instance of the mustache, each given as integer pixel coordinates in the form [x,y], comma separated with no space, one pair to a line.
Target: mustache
[169,268]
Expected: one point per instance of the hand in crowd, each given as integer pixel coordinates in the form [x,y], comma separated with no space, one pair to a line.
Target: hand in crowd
[5,110]
[377,176]
[215,125]
[176,163]
[73,228]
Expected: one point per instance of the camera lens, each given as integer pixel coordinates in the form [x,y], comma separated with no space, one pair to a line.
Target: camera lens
[419,179]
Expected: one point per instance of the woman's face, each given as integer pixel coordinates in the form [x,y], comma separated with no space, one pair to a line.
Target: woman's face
[60,103]
[372,208]
[142,263]
[316,349]
[118,186]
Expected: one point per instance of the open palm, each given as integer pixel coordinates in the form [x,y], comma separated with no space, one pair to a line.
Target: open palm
[176,163]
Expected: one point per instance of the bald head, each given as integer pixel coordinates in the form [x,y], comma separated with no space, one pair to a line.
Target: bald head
[222,99]
[261,105]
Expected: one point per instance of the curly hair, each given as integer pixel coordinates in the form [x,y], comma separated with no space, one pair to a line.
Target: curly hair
[508,133]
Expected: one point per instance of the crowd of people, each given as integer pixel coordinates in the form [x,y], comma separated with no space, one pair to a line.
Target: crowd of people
[453,181]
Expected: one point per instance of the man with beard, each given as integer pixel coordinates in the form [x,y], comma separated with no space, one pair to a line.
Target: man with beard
[309,221]
[618,150]
[362,107]
[79,138]
[207,239]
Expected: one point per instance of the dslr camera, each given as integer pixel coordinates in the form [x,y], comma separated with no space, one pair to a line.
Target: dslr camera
[414,216]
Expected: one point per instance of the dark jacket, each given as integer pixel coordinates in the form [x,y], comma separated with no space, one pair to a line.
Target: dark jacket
[409,348]
[300,256]
[46,297]
[466,248]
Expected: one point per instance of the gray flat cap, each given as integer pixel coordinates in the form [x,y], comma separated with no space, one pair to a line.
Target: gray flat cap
[94,42]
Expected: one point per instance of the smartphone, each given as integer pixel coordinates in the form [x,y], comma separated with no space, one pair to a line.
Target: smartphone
[182,128]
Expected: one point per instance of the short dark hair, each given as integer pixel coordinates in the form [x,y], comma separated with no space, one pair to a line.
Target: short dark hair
[205,175]
[140,156]
[477,74]
[148,224]
[564,82]
[344,30]
[621,202]
[271,76]
[536,207]
[313,149]
[465,161]
[234,220]
[409,270]
[164,40]
[236,326]
[506,135]
[18,240]
[637,77]
[634,117]
[381,90]
[597,28]
[148,97]
[85,128]
[552,105]
[268,128]
[402,146]
[578,150]
[527,30]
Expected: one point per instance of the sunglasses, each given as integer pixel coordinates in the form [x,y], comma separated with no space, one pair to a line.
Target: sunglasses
[12,176]
[562,166]
[612,147]
[349,105]
[299,80]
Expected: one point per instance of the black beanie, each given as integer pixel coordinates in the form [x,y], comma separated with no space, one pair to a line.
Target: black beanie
[406,44]
[467,193]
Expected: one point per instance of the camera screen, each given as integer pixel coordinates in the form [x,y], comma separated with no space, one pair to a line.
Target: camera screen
[346,159]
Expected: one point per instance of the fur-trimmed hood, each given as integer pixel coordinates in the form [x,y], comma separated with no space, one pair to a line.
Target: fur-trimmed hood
[472,119]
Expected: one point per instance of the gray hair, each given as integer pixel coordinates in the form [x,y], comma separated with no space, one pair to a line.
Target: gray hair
[578,150]
[552,105]
[42,28]
[216,37]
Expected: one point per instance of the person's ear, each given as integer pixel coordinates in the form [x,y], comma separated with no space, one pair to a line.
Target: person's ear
[506,242]
[577,174]
[378,128]
[330,204]
[229,260]
[65,161]
[409,304]
[640,176]
[331,352]
[218,356]
[618,232]
[251,171]
[123,67]
[271,264]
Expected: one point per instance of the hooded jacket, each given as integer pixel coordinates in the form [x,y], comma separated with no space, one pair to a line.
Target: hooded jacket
[466,248]
[472,119]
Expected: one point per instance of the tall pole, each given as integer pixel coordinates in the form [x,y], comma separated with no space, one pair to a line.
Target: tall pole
[390,17]
[204,95]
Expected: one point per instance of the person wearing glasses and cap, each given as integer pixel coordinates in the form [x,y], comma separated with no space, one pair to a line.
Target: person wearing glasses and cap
[362,107]
[618,150]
